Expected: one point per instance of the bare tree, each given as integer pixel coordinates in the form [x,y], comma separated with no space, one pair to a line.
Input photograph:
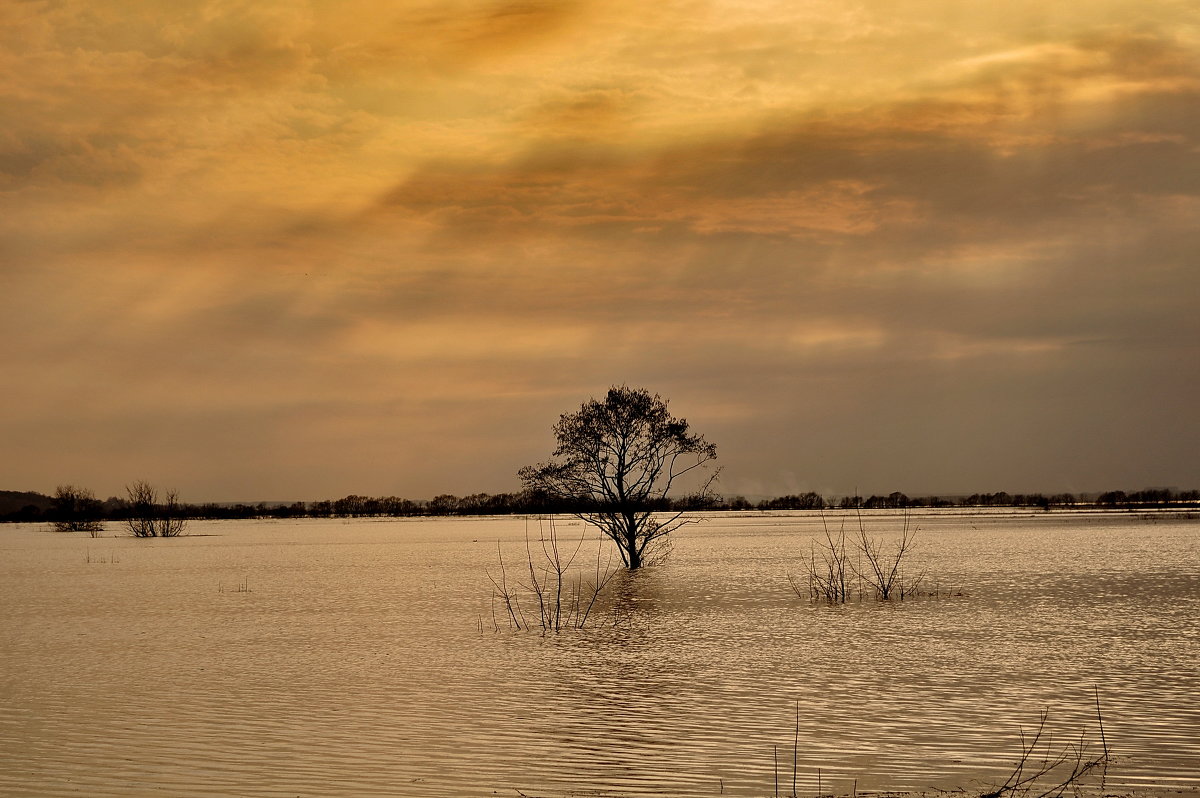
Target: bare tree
[150,519]
[172,523]
[76,510]
[616,460]
[142,498]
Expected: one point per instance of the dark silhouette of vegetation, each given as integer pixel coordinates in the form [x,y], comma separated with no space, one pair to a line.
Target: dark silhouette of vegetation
[617,459]
[1044,769]
[807,501]
[28,507]
[881,568]
[827,576]
[148,518]
[877,566]
[76,510]
[1055,769]
[549,592]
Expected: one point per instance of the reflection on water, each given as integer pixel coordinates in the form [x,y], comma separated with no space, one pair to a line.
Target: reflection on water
[352,662]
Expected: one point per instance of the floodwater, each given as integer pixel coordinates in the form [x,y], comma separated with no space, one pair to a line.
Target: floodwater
[360,658]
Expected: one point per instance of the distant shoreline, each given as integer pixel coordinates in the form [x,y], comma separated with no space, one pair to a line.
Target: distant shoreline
[32,507]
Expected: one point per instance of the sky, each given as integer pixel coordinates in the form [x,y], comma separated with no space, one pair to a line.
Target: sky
[260,250]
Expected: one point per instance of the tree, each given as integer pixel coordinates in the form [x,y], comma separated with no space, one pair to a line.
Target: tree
[615,462]
[149,519]
[76,510]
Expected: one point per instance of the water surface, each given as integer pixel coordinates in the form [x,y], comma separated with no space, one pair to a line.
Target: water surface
[335,658]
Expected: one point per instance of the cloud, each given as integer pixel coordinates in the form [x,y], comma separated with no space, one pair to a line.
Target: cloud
[872,243]
[970,184]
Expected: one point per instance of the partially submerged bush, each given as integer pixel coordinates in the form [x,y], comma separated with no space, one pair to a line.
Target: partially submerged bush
[76,510]
[150,519]
[551,593]
[878,568]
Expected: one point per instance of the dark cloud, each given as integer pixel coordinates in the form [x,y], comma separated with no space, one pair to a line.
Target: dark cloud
[95,161]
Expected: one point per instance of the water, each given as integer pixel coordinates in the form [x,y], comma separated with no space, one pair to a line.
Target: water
[331,658]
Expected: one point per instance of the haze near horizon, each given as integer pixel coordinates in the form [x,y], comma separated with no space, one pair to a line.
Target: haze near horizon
[293,250]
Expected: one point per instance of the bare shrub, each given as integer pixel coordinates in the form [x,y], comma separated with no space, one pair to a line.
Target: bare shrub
[1046,771]
[554,593]
[148,518]
[76,510]
[827,576]
[878,568]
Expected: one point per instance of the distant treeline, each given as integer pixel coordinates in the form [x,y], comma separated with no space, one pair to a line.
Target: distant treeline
[1118,499]
[34,507]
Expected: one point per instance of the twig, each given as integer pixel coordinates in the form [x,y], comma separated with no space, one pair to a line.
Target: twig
[775,751]
[1100,718]
[795,748]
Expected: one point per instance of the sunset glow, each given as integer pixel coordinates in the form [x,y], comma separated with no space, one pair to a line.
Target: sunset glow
[293,250]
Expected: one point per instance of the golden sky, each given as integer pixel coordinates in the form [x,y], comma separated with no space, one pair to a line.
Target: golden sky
[294,250]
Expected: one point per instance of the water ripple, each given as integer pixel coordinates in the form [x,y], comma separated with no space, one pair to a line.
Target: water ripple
[347,660]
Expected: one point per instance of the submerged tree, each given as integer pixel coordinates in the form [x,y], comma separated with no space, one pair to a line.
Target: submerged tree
[150,519]
[615,462]
[76,510]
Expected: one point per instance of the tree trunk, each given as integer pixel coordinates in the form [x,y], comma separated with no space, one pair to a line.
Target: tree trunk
[633,553]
